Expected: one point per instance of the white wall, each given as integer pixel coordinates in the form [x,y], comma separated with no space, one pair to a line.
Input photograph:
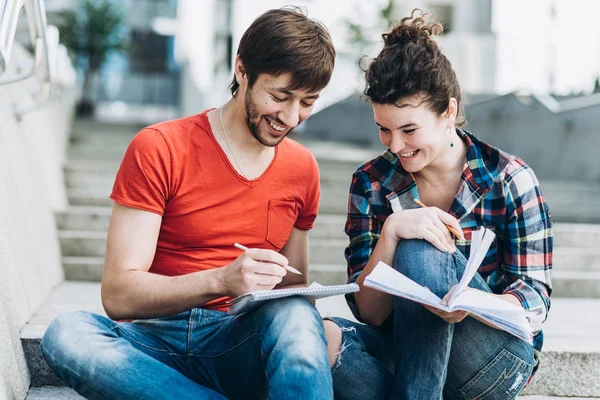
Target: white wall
[31,185]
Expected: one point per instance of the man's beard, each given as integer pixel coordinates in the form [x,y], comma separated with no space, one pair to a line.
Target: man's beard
[253,114]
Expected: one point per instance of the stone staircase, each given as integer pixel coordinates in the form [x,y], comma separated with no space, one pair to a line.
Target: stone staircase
[571,363]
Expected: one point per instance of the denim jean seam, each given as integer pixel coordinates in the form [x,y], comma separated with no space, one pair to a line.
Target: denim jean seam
[485,369]
[191,325]
[129,337]
[517,362]
[228,350]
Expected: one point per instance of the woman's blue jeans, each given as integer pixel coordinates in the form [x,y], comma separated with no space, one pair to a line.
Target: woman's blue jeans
[277,351]
[421,357]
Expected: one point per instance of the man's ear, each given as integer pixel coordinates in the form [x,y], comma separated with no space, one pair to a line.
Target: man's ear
[239,70]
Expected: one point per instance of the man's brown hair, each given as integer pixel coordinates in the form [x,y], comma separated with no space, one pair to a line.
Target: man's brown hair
[287,41]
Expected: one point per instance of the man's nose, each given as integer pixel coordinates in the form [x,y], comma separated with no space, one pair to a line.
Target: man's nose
[290,116]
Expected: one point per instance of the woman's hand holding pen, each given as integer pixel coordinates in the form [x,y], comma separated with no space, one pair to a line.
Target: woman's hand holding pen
[254,269]
[427,223]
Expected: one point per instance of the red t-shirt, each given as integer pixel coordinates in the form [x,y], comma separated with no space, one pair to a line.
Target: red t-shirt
[178,170]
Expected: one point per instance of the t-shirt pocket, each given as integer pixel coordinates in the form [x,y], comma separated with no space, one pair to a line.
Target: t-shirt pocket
[280,221]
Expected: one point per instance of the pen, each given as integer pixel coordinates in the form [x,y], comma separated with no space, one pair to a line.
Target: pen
[289,268]
[451,229]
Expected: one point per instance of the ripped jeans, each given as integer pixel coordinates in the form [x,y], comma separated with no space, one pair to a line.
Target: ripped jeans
[420,356]
[276,351]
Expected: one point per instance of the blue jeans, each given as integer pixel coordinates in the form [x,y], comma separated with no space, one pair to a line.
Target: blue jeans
[276,351]
[420,356]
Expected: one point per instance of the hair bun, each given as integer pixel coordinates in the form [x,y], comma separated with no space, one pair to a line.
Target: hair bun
[417,26]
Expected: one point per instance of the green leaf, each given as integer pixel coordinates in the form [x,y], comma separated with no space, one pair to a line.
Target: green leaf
[94,30]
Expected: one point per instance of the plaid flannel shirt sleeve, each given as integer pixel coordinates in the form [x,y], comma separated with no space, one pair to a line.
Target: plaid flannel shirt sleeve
[363,229]
[528,243]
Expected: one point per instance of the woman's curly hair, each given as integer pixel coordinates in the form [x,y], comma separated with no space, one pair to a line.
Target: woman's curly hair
[411,63]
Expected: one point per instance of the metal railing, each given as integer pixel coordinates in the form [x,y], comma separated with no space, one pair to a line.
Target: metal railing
[45,40]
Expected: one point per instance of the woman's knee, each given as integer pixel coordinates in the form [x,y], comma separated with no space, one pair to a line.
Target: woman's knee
[425,264]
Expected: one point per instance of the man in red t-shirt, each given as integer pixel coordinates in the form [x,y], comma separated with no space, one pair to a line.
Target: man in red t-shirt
[186,191]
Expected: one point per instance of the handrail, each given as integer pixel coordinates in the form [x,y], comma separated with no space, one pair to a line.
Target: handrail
[9,16]
[39,30]
[36,17]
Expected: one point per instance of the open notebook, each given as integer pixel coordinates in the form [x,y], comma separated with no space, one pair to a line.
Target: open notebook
[315,291]
[499,313]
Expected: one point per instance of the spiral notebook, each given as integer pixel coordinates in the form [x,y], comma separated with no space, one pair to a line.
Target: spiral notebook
[315,291]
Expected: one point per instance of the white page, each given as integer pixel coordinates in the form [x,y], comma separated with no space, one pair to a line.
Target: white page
[386,279]
[484,300]
[481,240]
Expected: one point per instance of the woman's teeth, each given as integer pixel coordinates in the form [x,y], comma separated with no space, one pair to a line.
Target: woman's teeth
[408,155]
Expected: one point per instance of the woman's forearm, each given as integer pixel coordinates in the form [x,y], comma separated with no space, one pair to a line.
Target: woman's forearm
[375,306]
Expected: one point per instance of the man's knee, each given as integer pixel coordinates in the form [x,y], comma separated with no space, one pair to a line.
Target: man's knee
[295,322]
[291,313]
[62,340]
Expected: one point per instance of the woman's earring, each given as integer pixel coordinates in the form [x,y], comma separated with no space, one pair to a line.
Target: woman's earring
[450,133]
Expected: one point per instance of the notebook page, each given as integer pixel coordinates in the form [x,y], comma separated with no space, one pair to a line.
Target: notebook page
[315,291]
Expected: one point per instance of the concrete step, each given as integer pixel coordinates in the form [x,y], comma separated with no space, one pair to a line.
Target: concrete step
[576,271]
[566,259]
[106,167]
[83,128]
[570,362]
[82,243]
[92,243]
[569,201]
[331,225]
[83,218]
[575,236]
[52,393]
[93,153]
[334,200]
[85,197]
[68,296]
[576,284]
[563,206]
[83,268]
[63,393]
[89,269]
[92,182]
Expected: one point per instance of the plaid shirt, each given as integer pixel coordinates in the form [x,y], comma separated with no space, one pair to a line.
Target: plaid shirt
[496,190]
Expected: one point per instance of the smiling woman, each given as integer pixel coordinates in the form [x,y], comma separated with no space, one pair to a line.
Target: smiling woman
[406,350]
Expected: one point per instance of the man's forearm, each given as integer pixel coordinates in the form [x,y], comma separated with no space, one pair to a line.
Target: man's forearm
[141,294]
